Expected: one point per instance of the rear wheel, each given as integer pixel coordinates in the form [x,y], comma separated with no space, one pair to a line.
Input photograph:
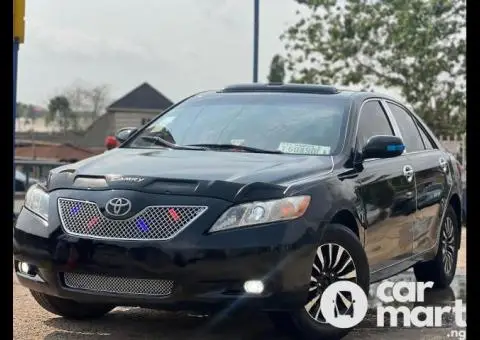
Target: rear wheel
[340,257]
[70,309]
[441,270]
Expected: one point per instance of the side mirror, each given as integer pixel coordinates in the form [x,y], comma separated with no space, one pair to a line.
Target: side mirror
[123,134]
[383,147]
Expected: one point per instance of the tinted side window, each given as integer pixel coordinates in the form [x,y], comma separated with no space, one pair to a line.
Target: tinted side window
[408,128]
[426,136]
[426,140]
[373,121]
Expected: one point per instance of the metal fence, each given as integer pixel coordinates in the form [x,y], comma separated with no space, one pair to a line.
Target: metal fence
[457,146]
[37,169]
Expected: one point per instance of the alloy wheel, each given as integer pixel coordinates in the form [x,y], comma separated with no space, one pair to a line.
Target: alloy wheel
[448,245]
[332,263]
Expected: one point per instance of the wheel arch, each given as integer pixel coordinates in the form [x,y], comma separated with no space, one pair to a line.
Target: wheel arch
[347,218]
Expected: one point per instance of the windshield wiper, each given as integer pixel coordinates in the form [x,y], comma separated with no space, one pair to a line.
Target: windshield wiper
[163,142]
[237,147]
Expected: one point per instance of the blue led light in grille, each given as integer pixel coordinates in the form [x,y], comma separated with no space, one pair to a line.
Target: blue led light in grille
[142,225]
[74,210]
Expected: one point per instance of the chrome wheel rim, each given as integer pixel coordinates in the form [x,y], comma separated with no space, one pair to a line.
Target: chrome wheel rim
[448,245]
[332,263]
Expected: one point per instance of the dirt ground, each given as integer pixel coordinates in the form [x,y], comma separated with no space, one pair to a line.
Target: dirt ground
[30,322]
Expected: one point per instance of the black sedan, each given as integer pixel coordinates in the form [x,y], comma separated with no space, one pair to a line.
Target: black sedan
[253,196]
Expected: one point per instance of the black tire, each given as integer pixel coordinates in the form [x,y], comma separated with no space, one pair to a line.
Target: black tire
[299,324]
[70,309]
[435,270]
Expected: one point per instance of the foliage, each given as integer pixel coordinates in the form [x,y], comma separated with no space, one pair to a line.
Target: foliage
[416,47]
[277,70]
[87,101]
[59,111]
[77,105]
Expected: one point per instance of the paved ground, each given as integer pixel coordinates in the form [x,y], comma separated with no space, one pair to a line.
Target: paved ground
[32,322]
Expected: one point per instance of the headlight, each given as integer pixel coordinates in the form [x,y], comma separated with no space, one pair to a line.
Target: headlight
[253,213]
[36,200]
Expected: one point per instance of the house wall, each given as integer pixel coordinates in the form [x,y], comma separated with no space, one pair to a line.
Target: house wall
[132,119]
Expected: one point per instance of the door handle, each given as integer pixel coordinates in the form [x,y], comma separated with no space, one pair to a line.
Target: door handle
[408,172]
[443,164]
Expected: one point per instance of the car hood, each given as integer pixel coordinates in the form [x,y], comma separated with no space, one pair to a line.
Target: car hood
[198,171]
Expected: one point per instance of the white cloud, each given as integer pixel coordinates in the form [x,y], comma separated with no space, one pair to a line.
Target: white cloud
[179,46]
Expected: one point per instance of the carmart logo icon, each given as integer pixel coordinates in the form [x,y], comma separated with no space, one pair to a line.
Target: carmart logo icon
[344,304]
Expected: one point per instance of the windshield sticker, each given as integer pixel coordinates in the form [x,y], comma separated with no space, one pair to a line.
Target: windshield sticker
[307,149]
[237,141]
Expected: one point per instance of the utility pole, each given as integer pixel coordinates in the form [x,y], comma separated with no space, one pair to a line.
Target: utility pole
[18,38]
[256,23]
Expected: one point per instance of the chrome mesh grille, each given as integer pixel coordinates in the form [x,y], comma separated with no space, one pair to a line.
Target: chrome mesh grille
[83,218]
[118,285]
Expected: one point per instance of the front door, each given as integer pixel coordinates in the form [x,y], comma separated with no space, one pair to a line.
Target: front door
[432,178]
[386,188]
[388,196]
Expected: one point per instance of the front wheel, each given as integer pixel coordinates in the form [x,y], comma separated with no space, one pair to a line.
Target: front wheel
[339,257]
[70,309]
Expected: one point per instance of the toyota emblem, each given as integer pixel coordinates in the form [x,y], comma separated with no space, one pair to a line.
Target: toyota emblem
[118,207]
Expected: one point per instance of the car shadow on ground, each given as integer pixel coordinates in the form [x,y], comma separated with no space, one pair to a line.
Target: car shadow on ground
[137,323]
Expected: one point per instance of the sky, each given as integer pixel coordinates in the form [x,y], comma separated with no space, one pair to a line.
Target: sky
[178,46]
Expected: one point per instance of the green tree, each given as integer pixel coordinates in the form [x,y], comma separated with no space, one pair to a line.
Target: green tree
[87,101]
[277,70]
[59,112]
[416,47]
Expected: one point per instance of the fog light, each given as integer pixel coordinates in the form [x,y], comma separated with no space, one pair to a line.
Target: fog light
[253,287]
[24,267]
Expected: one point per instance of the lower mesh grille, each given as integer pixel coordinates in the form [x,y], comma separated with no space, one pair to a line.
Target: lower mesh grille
[118,285]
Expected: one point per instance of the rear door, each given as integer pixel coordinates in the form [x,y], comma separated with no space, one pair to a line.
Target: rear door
[387,190]
[432,177]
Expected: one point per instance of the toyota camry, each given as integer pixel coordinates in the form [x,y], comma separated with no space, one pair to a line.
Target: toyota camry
[253,196]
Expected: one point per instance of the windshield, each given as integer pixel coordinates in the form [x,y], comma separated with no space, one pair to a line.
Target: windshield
[288,123]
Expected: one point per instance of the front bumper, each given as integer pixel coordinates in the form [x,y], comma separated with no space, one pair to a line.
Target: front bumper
[208,270]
